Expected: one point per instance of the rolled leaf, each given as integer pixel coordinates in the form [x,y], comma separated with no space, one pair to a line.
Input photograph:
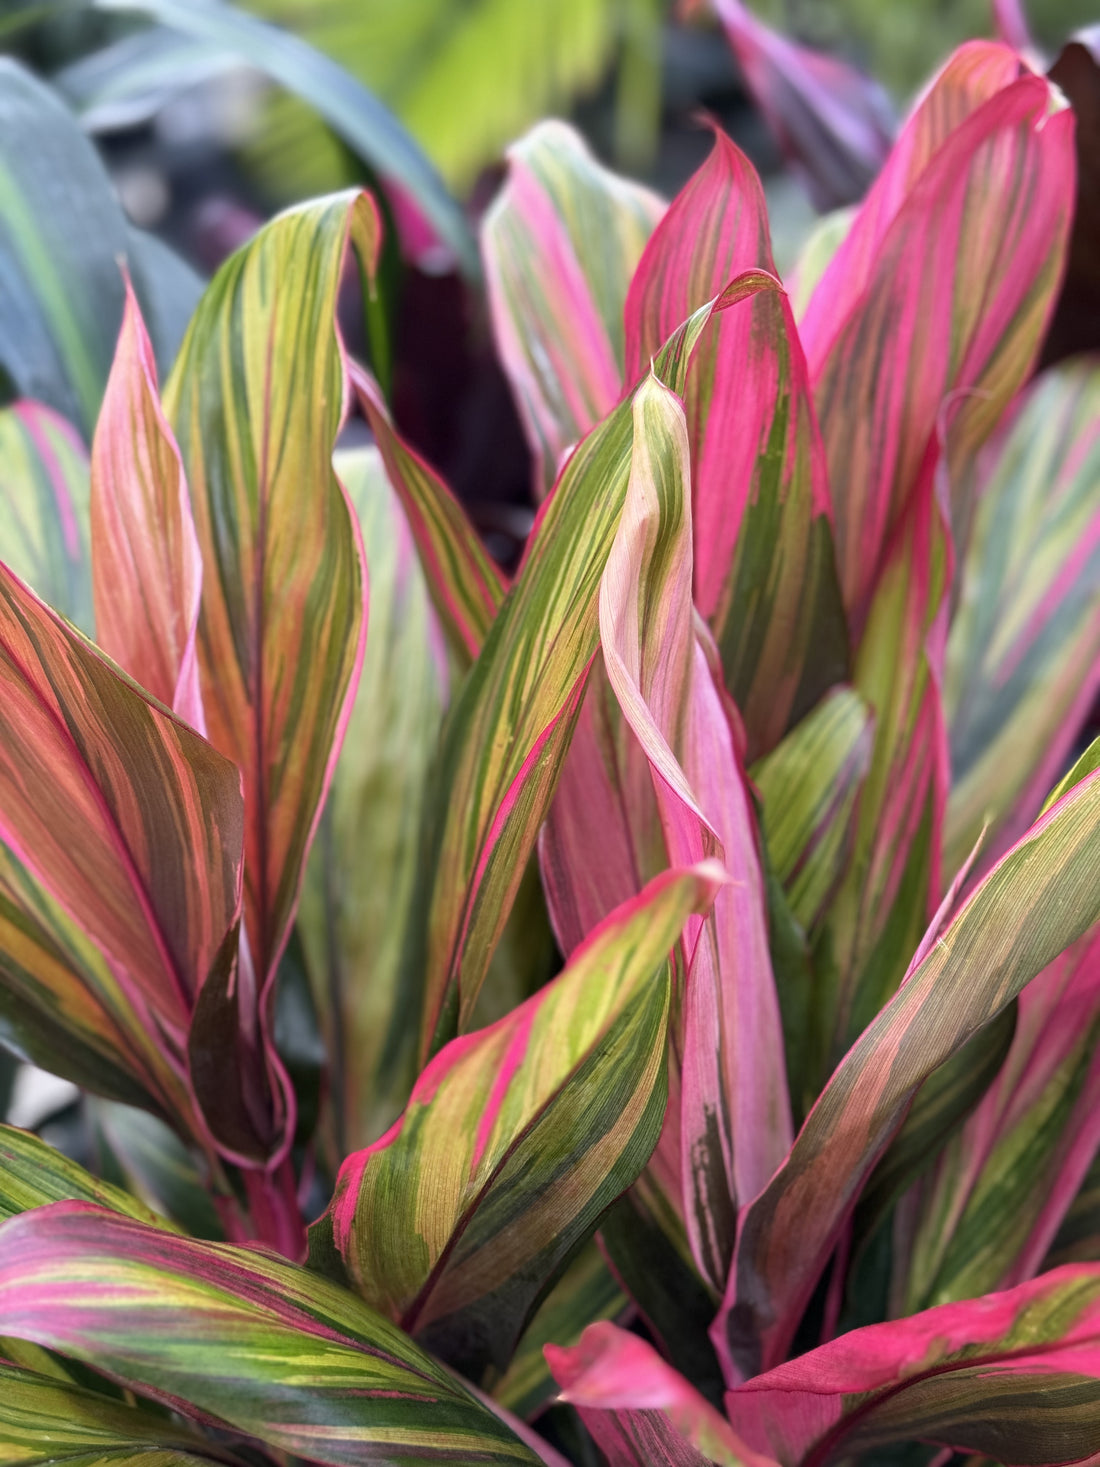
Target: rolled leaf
[509,730]
[809,785]
[888,342]
[146,566]
[1023,655]
[560,245]
[256,399]
[1007,932]
[528,1131]
[833,123]
[44,491]
[639,1410]
[238,1338]
[764,570]
[33,1174]
[466,586]
[1015,1375]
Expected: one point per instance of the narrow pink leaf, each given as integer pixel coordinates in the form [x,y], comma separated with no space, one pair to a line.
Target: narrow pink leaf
[1011,22]
[640,1411]
[146,564]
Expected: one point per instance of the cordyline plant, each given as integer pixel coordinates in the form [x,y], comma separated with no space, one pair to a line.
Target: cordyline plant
[807,627]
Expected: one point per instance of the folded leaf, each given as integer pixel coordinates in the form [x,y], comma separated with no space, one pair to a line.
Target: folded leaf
[560,245]
[527,1131]
[356,901]
[43,1421]
[639,1410]
[511,725]
[764,570]
[1008,931]
[809,785]
[1015,1375]
[146,566]
[466,587]
[992,1208]
[940,293]
[33,1174]
[1023,655]
[255,399]
[833,123]
[44,491]
[232,1336]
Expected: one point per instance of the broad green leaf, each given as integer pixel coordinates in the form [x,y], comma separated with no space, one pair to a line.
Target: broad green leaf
[359,881]
[764,570]
[33,1174]
[155,1166]
[809,785]
[62,234]
[44,1421]
[1023,655]
[939,294]
[516,1139]
[240,1337]
[256,400]
[1035,902]
[639,1410]
[465,586]
[1015,1375]
[560,244]
[354,113]
[123,831]
[44,492]
[146,567]
[510,727]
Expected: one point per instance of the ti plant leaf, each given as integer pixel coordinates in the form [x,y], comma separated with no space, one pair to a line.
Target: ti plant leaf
[33,1174]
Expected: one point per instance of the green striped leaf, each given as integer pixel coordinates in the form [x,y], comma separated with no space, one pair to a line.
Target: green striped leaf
[44,1421]
[1038,900]
[62,234]
[516,1139]
[256,399]
[44,490]
[1023,655]
[560,243]
[1078,1238]
[356,901]
[33,1174]
[809,785]
[510,728]
[466,586]
[241,1338]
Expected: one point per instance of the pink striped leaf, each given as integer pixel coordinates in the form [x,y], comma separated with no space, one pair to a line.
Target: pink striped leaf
[146,566]
[1078,1238]
[734,1111]
[560,245]
[1034,904]
[44,492]
[992,1207]
[231,1337]
[1023,654]
[640,1411]
[465,585]
[986,212]
[1015,1375]
[833,123]
[256,401]
[448,1224]
[128,822]
[511,725]
[764,571]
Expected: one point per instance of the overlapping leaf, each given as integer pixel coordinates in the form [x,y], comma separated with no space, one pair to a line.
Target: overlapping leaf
[560,245]
[238,1337]
[1008,931]
[44,491]
[1013,1375]
[764,570]
[1023,655]
[256,400]
[147,571]
[33,1174]
[516,1138]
